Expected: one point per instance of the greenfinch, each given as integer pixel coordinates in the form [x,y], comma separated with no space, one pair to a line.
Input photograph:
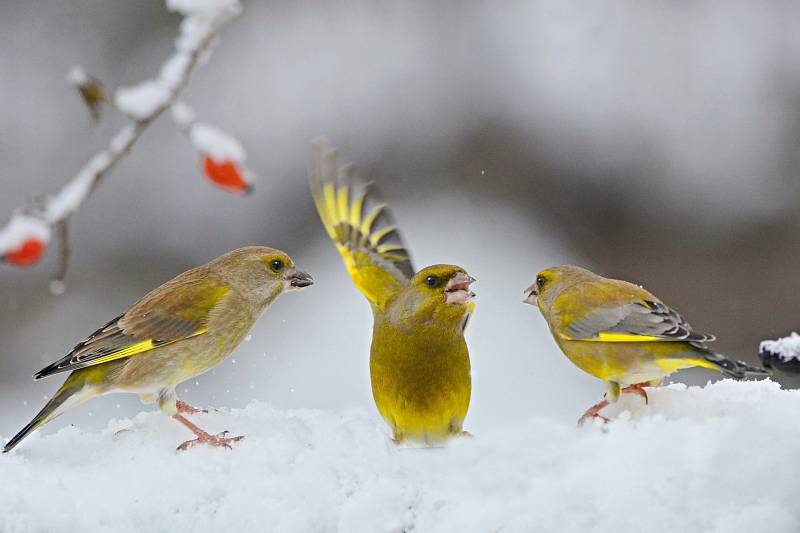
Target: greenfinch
[621,333]
[178,331]
[419,361]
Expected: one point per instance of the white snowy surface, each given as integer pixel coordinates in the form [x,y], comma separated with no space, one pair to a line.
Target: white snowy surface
[216,143]
[787,348]
[721,458]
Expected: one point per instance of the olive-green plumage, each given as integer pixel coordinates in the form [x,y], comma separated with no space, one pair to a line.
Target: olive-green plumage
[419,362]
[176,332]
[621,333]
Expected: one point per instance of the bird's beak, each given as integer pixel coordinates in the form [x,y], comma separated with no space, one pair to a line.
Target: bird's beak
[297,279]
[457,289]
[530,295]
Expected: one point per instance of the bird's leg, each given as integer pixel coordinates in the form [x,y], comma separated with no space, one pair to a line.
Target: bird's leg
[594,412]
[638,389]
[187,409]
[220,440]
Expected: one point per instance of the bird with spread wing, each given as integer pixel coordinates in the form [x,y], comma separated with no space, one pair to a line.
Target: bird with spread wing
[176,332]
[621,333]
[419,361]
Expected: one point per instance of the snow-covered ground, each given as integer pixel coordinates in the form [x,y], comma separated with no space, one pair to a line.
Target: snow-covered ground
[721,458]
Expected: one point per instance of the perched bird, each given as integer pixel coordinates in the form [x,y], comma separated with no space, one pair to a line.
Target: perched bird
[622,334]
[419,362]
[176,332]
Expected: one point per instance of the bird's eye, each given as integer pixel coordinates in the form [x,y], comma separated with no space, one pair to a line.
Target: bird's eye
[276,265]
[432,281]
[540,281]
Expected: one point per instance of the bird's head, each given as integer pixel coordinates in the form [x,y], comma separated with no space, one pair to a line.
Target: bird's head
[550,282]
[261,271]
[438,294]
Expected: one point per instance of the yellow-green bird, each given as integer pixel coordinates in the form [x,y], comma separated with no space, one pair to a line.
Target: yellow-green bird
[621,333]
[419,362]
[178,331]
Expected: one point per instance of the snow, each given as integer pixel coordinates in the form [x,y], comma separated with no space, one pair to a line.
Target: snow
[142,100]
[77,76]
[20,228]
[123,139]
[219,145]
[174,70]
[182,114]
[72,195]
[203,8]
[786,348]
[719,458]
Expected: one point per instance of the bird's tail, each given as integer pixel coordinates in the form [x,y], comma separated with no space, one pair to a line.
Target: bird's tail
[734,369]
[71,393]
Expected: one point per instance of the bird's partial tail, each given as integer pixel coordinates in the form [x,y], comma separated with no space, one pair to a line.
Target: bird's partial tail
[70,394]
[735,369]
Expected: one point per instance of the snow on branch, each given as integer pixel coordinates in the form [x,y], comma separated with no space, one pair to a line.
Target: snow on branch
[24,239]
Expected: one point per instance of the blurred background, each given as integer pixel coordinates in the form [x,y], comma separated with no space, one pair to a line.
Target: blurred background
[656,142]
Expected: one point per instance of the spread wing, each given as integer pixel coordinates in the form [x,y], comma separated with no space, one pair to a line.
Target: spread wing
[360,225]
[638,321]
[175,311]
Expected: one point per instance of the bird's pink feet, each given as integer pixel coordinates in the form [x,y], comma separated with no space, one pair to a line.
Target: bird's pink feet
[637,389]
[220,440]
[187,409]
[594,412]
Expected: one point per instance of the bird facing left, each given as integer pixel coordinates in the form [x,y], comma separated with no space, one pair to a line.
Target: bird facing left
[178,331]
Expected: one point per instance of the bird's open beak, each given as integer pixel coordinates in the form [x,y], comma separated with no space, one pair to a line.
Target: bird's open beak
[530,295]
[298,279]
[457,289]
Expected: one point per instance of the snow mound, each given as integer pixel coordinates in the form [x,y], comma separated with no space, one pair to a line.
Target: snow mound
[719,458]
[787,348]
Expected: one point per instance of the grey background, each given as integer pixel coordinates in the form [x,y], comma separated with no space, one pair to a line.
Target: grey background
[654,142]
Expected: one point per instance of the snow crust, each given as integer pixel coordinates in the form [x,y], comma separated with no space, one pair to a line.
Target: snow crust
[719,458]
[787,348]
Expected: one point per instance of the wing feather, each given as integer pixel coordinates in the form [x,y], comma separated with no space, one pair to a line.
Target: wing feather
[360,225]
[176,311]
[640,321]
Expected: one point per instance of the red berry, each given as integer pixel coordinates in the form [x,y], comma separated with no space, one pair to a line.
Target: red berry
[28,254]
[227,175]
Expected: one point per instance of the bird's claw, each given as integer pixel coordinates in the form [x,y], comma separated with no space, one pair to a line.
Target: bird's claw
[637,389]
[594,412]
[220,440]
[185,408]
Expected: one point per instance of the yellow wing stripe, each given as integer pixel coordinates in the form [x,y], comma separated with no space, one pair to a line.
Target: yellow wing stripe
[369,220]
[604,336]
[138,348]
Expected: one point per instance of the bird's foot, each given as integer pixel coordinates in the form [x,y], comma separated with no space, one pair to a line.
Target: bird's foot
[466,434]
[187,409]
[594,412]
[220,440]
[637,389]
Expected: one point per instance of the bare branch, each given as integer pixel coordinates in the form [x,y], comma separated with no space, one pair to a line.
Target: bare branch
[143,104]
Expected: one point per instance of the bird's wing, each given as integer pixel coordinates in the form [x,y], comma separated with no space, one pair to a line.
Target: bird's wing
[632,320]
[360,225]
[175,311]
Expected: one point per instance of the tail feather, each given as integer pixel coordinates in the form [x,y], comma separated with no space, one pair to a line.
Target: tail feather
[735,369]
[55,407]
